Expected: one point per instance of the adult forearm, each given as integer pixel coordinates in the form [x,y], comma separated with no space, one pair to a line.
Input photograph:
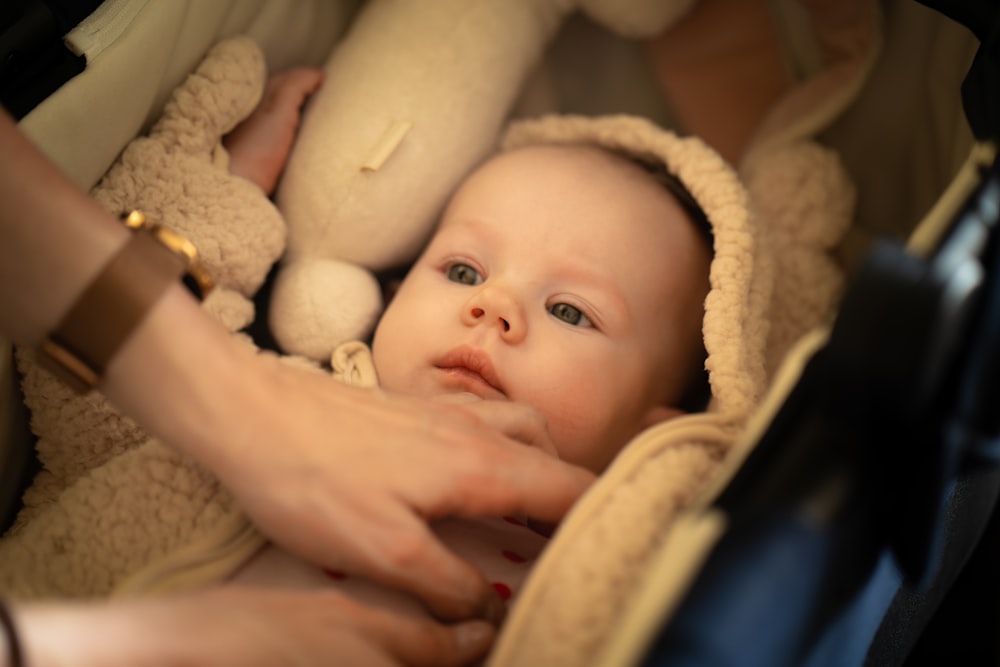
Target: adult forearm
[237,627]
[68,633]
[55,238]
[188,381]
[64,633]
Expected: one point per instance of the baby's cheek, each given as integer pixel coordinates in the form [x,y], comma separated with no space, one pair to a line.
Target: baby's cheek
[578,395]
[578,439]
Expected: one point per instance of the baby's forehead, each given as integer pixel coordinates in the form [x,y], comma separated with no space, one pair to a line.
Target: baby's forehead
[571,187]
[566,180]
[573,170]
[599,165]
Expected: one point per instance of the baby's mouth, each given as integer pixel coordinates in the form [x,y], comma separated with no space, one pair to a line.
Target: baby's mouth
[468,369]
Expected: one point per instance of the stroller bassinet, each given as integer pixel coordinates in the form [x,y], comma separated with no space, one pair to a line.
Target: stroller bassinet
[862,583]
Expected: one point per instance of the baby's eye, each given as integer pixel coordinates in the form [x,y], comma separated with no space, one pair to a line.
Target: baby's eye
[570,315]
[464,274]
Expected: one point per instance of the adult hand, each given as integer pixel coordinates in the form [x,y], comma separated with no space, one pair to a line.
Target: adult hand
[242,627]
[346,478]
[518,421]
[360,501]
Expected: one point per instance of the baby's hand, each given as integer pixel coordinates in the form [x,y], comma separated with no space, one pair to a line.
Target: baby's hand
[515,420]
[259,146]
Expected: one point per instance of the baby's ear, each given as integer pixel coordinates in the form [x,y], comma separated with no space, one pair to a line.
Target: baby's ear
[660,413]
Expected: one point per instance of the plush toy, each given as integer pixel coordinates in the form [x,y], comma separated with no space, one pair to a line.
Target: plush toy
[415,95]
[99,470]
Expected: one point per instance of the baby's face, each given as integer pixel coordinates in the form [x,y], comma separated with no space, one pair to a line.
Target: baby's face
[563,278]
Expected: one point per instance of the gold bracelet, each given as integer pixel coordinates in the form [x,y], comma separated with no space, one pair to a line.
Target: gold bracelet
[80,348]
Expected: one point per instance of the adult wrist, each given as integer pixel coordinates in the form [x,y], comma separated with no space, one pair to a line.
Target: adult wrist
[177,374]
[90,634]
[55,239]
[115,302]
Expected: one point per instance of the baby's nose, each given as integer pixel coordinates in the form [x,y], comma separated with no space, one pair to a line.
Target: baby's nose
[495,306]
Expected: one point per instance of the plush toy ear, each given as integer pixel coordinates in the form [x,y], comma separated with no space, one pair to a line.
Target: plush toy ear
[225,88]
[178,175]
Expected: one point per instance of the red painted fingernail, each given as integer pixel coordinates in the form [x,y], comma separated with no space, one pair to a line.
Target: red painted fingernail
[334,574]
[502,589]
[513,557]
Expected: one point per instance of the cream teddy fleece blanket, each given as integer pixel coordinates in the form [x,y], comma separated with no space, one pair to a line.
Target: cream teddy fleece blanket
[772,279]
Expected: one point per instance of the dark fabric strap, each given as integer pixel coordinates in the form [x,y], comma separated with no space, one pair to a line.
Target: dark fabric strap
[110,309]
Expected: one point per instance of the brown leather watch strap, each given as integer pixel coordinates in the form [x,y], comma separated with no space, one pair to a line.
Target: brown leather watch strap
[111,307]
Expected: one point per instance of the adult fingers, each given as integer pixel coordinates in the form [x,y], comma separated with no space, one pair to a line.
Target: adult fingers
[423,642]
[451,588]
[380,538]
[494,480]
[517,421]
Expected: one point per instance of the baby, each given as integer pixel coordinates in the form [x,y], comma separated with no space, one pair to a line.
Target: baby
[562,277]
[567,278]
